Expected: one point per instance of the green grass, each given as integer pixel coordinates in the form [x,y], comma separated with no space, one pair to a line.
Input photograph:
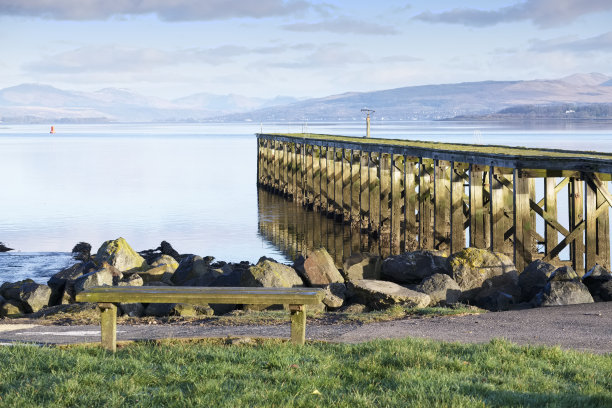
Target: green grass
[388,373]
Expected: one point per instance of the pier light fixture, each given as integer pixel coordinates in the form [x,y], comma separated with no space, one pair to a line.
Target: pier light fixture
[368,112]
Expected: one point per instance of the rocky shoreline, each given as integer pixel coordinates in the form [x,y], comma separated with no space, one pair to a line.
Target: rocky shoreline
[365,282]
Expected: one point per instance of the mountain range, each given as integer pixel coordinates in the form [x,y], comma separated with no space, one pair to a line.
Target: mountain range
[35,103]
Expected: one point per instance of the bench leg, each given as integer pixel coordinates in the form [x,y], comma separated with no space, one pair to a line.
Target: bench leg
[298,324]
[108,326]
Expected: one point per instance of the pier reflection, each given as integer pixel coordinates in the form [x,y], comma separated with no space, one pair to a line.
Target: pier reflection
[295,230]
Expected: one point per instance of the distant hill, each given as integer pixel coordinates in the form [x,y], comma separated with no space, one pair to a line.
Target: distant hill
[542,112]
[35,103]
[441,101]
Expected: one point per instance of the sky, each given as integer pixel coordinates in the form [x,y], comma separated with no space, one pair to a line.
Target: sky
[299,48]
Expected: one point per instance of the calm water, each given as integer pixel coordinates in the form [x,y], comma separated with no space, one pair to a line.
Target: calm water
[191,185]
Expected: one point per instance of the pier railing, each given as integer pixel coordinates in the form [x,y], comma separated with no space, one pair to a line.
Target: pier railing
[422,195]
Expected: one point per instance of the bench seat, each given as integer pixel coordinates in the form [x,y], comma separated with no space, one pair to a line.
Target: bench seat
[108,296]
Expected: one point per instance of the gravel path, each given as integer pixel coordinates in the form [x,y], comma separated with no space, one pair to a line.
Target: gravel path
[585,327]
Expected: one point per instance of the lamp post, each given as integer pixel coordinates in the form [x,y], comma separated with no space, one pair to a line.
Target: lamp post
[367,111]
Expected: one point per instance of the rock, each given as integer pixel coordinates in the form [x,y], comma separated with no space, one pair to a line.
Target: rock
[34,296]
[335,294]
[362,265]
[564,274]
[132,309]
[192,268]
[413,267]
[161,269]
[379,294]
[471,267]
[4,248]
[11,308]
[166,249]
[533,279]
[319,269]
[120,254]
[605,291]
[441,288]
[132,280]
[58,282]
[560,293]
[82,251]
[354,308]
[495,300]
[187,310]
[27,294]
[158,309]
[595,278]
[101,277]
[270,274]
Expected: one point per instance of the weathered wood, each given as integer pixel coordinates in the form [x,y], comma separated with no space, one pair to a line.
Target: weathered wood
[331,185]
[603,227]
[456,213]
[364,197]
[576,205]
[316,177]
[374,194]
[497,224]
[411,200]
[346,185]
[385,199]
[590,249]
[397,167]
[355,188]
[426,205]
[298,324]
[522,223]
[477,207]
[108,326]
[442,205]
[551,234]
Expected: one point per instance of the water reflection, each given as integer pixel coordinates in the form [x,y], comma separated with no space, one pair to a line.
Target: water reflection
[294,230]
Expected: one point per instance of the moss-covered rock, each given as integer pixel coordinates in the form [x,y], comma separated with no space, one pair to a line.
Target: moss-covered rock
[361,265]
[161,270]
[441,288]
[270,274]
[120,254]
[413,267]
[378,294]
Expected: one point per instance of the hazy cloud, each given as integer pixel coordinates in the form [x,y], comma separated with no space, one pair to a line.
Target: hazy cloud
[400,58]
[343,25]
[328,55]
[601,42]
[169,10]
[544,13]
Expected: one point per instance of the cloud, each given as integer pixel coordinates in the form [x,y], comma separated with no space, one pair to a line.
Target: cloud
[328,55]
[401,58]
[543,13]
[168,10]
[601,42]
[343,25]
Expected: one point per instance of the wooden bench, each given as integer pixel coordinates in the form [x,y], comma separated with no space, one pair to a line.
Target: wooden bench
[108,296]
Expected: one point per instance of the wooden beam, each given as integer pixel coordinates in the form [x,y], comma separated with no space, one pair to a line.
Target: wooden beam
[411,242]
[522,223]
[457,223]
[442,205]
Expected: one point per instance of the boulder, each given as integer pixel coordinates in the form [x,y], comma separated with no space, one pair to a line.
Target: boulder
[564,274]
[166,249]
[158,309]
[561,293]
[27,294]
[11,308]
[441,288]
[533,279]
[354,308]
[101,277]
[82,251]
[413,267]
[318,269]
[34,296]
[132,280]
[362,265]
[187,310]
[192,268]
[4,248]
[132,309]
[120,254]
[270,274]
[605,291]
[595,278]
[335,294]
[495,300]
[62,283]
[161,269]
[378,294]
[471,267]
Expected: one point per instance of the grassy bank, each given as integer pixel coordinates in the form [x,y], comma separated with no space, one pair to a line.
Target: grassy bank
[277,374]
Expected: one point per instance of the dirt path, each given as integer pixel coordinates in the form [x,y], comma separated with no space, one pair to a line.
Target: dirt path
[585,327]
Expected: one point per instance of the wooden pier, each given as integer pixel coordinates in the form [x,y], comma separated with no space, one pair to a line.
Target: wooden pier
[411,195]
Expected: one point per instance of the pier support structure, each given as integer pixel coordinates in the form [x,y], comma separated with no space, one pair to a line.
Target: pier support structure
[417,195]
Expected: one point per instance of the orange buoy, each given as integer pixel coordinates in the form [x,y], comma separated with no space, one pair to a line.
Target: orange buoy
[52,129]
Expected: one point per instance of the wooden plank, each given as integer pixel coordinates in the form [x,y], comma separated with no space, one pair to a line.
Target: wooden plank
[298,324]
[108,326]
[397,167]
[442,206]
[346,185]
[549,219]
[590,249]
[385,196]
[576,205]
[457,216]
[374,194]
[411,200]
[316,177]
[477,207]
[522,223]
[426,205]
[551,237]
[338,153]
[364,198]
[603,228]
[331,183]
[355,188]
[496,208]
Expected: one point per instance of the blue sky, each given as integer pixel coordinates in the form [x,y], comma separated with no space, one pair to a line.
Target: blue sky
[302,48]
